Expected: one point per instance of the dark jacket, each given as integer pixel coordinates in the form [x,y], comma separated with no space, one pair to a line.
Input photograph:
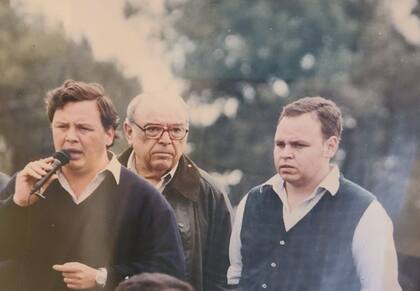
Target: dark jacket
[202,212]
[128,228]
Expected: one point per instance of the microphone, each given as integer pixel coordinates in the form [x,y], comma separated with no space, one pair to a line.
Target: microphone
[61,158]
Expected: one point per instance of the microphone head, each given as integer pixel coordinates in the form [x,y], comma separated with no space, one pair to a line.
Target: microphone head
[63,156]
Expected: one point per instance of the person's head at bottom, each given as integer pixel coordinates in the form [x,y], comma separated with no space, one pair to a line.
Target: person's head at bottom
[153,282]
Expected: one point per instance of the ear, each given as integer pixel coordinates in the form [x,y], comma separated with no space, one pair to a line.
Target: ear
[128,132]
[330,147]
[110,136]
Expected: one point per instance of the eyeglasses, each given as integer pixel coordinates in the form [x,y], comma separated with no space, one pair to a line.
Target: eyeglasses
[155,131]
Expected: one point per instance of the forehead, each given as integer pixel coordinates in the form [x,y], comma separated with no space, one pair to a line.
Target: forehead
[82,111]
[161,111]
[303,127]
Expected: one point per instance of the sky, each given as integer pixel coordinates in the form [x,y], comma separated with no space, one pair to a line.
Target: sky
[404,21]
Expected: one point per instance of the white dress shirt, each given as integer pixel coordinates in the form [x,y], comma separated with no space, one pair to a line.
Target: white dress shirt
[373,245]
[113,166]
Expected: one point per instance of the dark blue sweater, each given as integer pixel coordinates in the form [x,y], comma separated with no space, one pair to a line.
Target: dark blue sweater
[314,255]
[127,228]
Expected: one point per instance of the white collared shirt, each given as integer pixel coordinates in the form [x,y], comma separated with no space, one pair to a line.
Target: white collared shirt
[373,245]
[113,166]
[164,180]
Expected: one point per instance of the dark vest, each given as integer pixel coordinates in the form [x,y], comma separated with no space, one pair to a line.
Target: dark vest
[315,254]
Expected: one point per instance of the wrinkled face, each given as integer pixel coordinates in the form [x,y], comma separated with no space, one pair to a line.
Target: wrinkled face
[301,155]
[155,157]
[77,128]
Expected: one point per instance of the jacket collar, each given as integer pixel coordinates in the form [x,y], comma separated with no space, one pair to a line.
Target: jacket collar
[186,179]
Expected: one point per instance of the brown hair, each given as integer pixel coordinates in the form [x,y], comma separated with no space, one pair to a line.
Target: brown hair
[153,282]
[76,91]
[326,110]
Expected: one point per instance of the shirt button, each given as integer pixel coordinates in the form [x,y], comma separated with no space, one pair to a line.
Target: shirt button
[282,242]
[264,286]
[273,265]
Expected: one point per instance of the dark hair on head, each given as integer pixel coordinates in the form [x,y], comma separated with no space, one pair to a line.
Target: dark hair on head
[153,282]
[326,110]
[76,91]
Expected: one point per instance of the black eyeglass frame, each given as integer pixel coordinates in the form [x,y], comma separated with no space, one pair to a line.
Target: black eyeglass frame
[163,128]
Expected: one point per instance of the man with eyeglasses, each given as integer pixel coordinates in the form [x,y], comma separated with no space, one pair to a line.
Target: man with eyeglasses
[156,129]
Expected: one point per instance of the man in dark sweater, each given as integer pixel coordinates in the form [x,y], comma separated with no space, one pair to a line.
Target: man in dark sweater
[157,129]
[99,223]
[309,228]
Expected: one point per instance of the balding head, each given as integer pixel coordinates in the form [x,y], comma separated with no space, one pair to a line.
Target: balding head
[146,104]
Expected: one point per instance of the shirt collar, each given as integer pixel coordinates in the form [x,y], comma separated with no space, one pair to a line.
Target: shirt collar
[331,182]
[164,180]
[114,167]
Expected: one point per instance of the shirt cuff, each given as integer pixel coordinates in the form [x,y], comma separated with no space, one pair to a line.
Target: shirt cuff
[101,276]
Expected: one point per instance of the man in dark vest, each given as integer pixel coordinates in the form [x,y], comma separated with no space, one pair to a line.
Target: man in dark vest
[94,223]
[157,129]
[308,227]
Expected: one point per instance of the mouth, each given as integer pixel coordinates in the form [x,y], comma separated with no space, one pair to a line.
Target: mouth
[162,153]
[286,167]
[74,153]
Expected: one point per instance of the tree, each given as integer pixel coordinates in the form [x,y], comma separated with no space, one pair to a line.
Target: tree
[32,61]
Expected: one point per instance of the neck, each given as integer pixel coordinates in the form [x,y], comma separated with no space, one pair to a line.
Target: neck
[150,175]
[79,180]
[297,192]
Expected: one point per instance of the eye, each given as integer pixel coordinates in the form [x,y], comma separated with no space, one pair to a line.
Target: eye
[298,145]
[152,129]
[84,128]
[61,126]
[280,144]
[177,130]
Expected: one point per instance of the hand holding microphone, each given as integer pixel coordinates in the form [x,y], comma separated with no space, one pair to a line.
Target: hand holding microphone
[35,175]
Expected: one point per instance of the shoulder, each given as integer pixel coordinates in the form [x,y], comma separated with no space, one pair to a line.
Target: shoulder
[207,183]
[210,182]
[351,189]
[135,187]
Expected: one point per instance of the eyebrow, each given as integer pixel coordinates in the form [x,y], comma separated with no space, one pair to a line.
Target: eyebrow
[76,123]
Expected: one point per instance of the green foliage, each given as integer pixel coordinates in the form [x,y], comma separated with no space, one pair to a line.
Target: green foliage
[346,50]
[33,61]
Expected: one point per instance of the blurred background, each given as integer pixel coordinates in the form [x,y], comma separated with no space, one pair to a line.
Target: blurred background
[236,62]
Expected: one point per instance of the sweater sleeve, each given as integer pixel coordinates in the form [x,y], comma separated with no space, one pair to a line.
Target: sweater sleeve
[12,223]
[158,246]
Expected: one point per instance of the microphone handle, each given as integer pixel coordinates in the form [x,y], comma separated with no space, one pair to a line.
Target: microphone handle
[38,184]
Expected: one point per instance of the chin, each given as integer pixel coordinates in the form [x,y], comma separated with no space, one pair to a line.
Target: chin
[162,166]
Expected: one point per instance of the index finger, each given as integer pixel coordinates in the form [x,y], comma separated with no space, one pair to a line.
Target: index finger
[67,267]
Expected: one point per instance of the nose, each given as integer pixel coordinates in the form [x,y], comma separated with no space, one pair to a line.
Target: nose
[71,135]
[165,138]
[286,152]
